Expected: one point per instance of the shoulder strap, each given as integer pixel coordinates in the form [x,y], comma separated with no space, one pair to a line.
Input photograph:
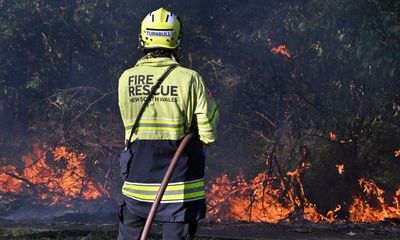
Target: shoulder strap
[147,101]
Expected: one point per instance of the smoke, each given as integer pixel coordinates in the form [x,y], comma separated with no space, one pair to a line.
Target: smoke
[61,63]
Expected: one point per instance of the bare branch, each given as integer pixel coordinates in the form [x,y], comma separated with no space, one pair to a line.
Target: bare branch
[28,183]
[267,119]
[259,133]
[86,110]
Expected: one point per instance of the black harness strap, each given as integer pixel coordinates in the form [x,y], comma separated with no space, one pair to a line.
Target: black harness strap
[147,101]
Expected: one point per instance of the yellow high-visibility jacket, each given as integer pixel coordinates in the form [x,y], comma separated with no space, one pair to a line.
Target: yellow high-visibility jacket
[181,105]
[181,100]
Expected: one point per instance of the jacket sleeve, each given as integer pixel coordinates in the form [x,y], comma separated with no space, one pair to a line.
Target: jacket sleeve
[206,112]
[123,101]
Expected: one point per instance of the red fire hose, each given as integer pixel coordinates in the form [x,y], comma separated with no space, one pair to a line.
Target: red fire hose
[163,186]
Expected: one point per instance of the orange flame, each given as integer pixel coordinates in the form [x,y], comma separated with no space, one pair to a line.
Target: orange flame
[332,136]
[246,201]
[8,183]
[331,215]
[272,199]
[262,199]
[340,168]
[281,49]
[397,153]
[50,181]
[371,206]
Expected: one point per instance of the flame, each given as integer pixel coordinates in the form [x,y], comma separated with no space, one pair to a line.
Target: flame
[262,199]
[57,178]
[340,168]
[397,153]
[281,49]
[271,199]
[331,215]
[253,201]
[8,183]
[371,205]
[332,136]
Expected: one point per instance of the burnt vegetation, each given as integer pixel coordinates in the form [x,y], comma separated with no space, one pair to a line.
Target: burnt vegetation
[333,89]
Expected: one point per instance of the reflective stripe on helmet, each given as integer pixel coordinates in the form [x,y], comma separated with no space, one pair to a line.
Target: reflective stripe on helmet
[170,18]
[175,192]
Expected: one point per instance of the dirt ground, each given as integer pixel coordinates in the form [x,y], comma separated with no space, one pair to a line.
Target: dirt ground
[217,231]
[294,231]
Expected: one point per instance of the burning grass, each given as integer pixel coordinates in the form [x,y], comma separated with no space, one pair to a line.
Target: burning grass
[58,177]
[273,199]
[53,176]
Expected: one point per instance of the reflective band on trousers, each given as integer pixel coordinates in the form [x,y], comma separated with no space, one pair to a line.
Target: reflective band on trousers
[175,192]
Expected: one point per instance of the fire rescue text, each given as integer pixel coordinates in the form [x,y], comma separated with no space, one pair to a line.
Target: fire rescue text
[140,85]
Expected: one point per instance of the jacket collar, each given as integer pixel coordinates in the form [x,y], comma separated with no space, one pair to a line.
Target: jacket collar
[155,62]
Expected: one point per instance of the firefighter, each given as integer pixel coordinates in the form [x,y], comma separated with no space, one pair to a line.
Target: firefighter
[181,105]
